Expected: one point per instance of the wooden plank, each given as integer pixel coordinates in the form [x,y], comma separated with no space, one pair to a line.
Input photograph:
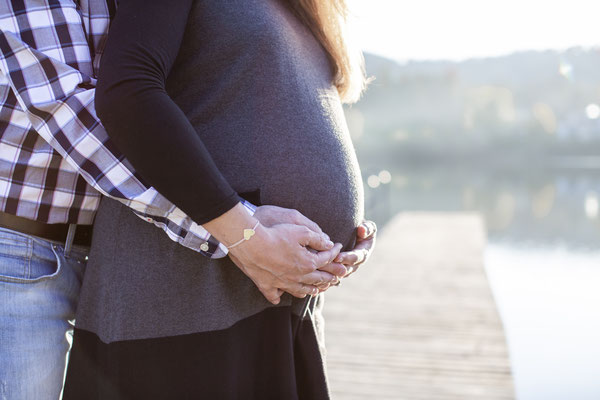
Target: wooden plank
[419,321]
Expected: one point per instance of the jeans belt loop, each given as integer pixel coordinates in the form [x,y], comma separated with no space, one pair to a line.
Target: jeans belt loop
[69,241]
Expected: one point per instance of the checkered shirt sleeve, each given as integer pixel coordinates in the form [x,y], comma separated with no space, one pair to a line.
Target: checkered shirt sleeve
[50,129]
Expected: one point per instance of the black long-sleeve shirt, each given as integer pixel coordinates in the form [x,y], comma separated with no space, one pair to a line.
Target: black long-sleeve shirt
[141,118]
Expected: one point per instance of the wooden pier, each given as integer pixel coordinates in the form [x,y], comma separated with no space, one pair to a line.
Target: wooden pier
[419,321]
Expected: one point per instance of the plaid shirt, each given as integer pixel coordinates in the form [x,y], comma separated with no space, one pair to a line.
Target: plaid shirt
[55,157]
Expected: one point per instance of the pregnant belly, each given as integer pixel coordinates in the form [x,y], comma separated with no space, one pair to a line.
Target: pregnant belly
[312,167]
[297,152]
[333,203]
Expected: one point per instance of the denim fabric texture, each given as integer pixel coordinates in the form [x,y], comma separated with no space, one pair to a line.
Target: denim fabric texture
[39,290]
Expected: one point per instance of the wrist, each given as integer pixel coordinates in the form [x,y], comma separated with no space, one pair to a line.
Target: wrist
[256,246]
[248,233]
[228,228]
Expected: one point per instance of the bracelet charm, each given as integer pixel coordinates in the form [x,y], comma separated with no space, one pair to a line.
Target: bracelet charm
[248,233]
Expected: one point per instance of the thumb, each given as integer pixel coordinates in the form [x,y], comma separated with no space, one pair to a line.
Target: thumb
[272,295]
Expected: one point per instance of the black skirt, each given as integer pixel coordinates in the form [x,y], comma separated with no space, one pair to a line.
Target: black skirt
[271,355]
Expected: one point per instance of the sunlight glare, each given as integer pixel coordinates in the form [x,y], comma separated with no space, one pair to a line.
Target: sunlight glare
[439,29]
[592,111]
[373,181]
[591,206]
[385,177]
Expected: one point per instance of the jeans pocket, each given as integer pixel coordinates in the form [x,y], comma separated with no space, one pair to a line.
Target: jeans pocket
[24,260]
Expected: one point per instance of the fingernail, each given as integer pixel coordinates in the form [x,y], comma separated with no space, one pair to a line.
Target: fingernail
[339,259]
[329,244]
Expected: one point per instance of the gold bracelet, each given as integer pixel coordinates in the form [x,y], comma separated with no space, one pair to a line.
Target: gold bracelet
[248,233]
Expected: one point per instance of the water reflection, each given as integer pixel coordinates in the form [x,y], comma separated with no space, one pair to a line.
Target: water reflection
[548,300]
[543,201]
[535,207]
[503,212]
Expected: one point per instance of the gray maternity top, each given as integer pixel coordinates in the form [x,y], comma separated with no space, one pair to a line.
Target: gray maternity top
[257,88]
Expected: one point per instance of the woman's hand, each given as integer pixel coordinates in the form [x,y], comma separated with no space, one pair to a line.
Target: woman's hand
[272,215]
[277,259]
[365,242]
[349,261]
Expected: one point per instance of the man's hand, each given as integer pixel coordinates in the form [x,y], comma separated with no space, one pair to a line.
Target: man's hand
[273,215]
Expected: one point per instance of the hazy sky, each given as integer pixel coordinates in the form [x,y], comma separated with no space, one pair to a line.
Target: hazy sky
[458,29]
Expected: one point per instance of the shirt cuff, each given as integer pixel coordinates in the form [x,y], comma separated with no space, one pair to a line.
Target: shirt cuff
[200,240]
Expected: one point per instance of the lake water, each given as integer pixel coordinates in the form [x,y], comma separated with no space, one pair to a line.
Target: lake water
[543,261]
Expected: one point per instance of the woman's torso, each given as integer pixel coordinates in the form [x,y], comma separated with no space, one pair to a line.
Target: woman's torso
[257,87]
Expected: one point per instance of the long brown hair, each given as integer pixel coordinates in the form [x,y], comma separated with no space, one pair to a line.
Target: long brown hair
[327,19]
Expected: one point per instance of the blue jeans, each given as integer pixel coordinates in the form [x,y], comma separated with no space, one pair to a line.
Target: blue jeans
[39,289]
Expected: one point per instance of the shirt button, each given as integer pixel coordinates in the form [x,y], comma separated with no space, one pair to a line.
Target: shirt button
[204,246]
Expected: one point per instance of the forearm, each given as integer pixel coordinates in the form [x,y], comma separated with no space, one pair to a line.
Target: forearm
[142,119]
